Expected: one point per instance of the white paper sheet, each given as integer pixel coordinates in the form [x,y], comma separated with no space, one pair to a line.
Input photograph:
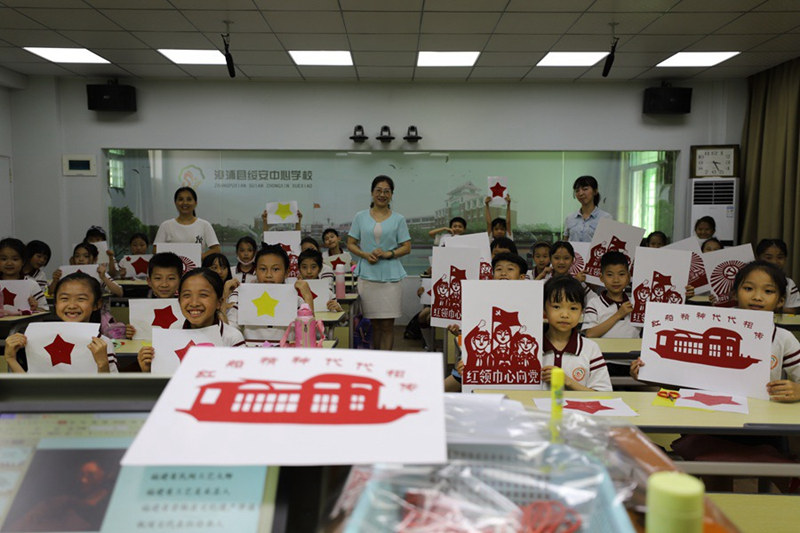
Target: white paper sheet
[135,265]
[611,235]
[660,276]
[497,189]
[290,242]
[282,212]
[60,347]
[190,253]
[14,294]
[172,345]
[712,401]
[147,314]
[451,265]
[89,270]
[267,304]
[721,269]
[596,407]
[697,270]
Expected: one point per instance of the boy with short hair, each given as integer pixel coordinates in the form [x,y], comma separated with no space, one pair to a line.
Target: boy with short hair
[164,272]
[457,226]
[608,314]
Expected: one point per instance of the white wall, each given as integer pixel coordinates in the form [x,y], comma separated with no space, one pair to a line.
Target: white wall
[49,117]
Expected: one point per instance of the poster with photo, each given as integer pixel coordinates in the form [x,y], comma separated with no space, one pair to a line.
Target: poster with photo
[451,265]
[611,236]
[661,276]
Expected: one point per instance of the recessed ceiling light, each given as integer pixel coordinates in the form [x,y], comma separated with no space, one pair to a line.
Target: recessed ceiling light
[447,59]
[193,57]
[697,59]
[571,59]
[336,58]
[66,55]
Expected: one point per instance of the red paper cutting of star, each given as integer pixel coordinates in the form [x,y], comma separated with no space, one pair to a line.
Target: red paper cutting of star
[60,351]
[8,297]
[140,265]
[286,247]
[164,318]
[313,296]
[497,190]
[182,352]
[587,407]
[711,399]
[336,262]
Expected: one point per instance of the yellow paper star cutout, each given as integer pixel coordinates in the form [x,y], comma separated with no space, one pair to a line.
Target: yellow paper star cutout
[265,305]
[284,211]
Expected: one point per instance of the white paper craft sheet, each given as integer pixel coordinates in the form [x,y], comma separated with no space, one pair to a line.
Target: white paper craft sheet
[135,265]
[343,258]
[321,290]
[60,347]
[147,314]
[426,297]
[581,256]
[451,265]
[267,304]
[721,269]
[501,332]
[596,407]
[190,253]
[89,270]
[172,345]
[611,236]
[14,294]
[697,270]
[497,189]
[102,248]
[284,406]
[720,349]
[660,276]
[290,242]
[479,241]
[712,401]
[282,212]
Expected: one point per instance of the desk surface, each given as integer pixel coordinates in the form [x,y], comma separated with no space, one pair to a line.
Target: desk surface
[657,419]
[23,318]
[753,513]
[329,316]
[623,347]
[131,347]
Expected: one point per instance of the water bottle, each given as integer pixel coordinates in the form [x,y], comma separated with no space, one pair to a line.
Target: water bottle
[305,329]
[339,281]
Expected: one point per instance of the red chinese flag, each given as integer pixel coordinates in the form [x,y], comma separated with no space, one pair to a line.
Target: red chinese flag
[661,279]
[456,274]
[616,244]
[504,318]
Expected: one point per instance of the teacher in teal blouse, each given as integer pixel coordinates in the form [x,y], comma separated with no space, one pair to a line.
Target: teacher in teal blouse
[379,238]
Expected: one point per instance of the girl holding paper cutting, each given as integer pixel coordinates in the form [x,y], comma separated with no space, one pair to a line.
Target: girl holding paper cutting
[78,298]
[580,226]
[13,255]
[186,227]
[200,298]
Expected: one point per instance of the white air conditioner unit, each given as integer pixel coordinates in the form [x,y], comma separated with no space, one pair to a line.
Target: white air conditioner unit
[719,199]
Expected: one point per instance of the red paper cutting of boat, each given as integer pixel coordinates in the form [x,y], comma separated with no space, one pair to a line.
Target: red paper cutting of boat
[715,347]
[323,399]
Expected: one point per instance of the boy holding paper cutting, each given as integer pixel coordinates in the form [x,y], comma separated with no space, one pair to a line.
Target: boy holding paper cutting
[163,277]
[608,314]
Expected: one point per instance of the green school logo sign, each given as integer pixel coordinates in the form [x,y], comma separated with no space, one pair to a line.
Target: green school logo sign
[191,176]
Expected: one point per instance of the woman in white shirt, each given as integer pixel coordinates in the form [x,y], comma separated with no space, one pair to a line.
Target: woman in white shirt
[186,227]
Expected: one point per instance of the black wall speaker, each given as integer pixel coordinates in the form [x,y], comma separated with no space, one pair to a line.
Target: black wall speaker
[667,100]
[111,97]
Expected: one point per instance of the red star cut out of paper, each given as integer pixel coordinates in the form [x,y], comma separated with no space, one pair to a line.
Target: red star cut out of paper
[587,407]
[140,265]
[336,262]
[711,399]
[182,352]
[497,190]
[287,248]
[164,318]
[8,297]
[60,351]
[313,296]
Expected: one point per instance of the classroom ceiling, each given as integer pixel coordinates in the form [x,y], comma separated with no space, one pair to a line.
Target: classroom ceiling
[384,36]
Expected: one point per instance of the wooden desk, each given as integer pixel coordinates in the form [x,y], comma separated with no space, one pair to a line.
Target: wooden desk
[351,307]
[700,299]
[754,513]
[329,317]
[619,348]
[790,322]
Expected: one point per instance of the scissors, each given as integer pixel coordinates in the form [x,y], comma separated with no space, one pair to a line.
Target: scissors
[670,395]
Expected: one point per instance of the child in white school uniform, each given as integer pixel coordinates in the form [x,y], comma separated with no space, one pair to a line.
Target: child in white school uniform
[78,298]
[775,251]
[245,271]
[498,227]
[163,277]
[441,235]
[310,264]
[541,261]
[607,314]
[38,254]
[200,298]
[272,264]
[325,271]
[85,253]
[13,255]
[581,359]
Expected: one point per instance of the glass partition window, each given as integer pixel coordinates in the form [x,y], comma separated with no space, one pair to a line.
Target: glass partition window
[233,187]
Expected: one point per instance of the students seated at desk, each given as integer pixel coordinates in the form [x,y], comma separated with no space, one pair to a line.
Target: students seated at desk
[13,255]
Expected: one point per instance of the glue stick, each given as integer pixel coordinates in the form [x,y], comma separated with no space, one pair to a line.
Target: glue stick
[556,403]
[674,503]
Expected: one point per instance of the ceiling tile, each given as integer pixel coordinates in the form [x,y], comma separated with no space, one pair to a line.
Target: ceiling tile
[105,71]
[385,59]
[320,41]
[443,73]
[149,20]
[13,54]
[212,21]
[617,73]
[164,39]
[635,59]
[228,5]
[778,5]
[104,39]
[669,74]
[583,43]
[207,71]
[338,73]
[131,56]
[556,73]
[372,5]
[509,59]
[305,21]
[12,19]
[717,43]
[35,38]
[71,19]
[533,23]
[520,43]
[716,5]
[721,72]
[38,69]
[690,23]
[130,4]
[623,6]
[383,41]
[381,22]
[498,73]
[600,23]
[297,5]
[764,59]
[46,3]
[787,42]
[248,41]
[659,43]
[459,22]
[394,73]
[549,5]
[261,57]
[269,71]
[465,5]
[155,71]
[440,42]
[763,23]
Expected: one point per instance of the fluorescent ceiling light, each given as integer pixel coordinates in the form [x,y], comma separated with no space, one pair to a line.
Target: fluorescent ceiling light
[193,57]
[697,59]
[447,59]
[571,59]
[66,55]
[341,58]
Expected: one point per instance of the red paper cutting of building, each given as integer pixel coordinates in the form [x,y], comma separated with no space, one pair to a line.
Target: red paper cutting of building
[715,347]
[322,399]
